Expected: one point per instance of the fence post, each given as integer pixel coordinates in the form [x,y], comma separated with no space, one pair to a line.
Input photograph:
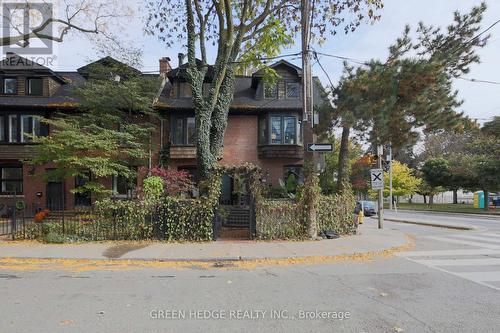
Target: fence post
[63,206]
[114,227]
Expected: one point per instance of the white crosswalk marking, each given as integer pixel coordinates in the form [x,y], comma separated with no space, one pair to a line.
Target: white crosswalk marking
[481,238]
[483,268]
[461,262]
[464,242]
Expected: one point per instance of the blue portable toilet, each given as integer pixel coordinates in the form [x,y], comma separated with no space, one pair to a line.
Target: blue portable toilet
[479,199]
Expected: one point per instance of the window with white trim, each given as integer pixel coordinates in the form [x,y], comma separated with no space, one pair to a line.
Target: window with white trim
[9,86]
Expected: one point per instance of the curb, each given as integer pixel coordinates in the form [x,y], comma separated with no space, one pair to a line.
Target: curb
[436,225]
[483,215]
[84,264]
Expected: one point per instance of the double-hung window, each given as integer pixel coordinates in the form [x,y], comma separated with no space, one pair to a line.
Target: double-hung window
[124,187]
[11,179]
[30,127]
[2,129]
[183,131]
[13,127]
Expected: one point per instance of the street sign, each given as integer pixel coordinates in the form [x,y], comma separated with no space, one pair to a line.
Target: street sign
[377,179]
[319,147]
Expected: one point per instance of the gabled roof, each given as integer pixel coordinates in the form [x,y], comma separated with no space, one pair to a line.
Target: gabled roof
[181,70]
[13,63]
[279,63]
[107,62]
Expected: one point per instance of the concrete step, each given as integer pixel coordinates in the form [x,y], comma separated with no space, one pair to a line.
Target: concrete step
[234,233]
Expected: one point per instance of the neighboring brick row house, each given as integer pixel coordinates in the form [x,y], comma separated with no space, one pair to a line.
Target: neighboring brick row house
[264,126]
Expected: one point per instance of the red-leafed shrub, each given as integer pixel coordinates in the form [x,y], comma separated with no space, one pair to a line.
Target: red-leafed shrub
[176,182]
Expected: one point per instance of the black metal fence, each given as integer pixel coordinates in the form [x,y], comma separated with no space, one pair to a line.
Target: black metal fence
[86,225]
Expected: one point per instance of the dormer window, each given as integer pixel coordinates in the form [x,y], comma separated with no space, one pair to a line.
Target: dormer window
[185,90]
[9,86]
[270,90]
[292,90]
[34,86]
[282,90]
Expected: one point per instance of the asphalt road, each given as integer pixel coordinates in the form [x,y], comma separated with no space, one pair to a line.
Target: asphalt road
[448,283]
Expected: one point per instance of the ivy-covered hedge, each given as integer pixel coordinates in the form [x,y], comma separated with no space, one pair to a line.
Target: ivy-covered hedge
[335,213]
[286,219]
[279,219]
[185,219]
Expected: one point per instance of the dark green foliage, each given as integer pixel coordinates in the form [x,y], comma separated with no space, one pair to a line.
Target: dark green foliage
[392,101]
[492,128]
[437,172]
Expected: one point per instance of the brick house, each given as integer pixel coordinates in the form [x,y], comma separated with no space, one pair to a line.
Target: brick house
[264,126]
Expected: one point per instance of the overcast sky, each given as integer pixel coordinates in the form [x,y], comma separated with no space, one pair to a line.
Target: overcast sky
[370,41]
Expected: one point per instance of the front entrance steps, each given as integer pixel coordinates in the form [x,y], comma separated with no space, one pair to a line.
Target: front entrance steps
[234,233]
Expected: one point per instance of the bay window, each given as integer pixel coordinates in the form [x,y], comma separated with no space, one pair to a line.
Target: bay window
[30,127]
[11,179]
[284,129]
[183,131]
[16,128]
[2,129]
[13,128]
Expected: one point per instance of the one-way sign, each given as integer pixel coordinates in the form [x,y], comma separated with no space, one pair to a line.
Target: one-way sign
[319,147]
[377,179]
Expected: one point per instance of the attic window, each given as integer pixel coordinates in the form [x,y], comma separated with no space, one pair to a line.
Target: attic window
[270,90]
[34,86]
[292,90]
[9,86]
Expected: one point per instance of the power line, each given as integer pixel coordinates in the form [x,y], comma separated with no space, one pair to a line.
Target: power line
[323,69]
[477,81]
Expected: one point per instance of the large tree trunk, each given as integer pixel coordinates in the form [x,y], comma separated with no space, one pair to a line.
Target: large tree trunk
[425,198]
[486,200]
[455,197]
[343,175]
[431,199]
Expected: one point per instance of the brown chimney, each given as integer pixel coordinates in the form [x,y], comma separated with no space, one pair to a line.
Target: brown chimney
[165,65]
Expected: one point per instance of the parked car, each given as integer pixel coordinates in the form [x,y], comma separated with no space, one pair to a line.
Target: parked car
[368,207]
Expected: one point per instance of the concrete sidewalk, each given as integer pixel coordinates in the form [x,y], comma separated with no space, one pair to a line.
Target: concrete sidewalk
[368,240]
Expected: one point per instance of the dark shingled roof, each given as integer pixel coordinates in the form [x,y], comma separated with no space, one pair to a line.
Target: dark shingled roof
[244,96]
[244,99]
[62,97]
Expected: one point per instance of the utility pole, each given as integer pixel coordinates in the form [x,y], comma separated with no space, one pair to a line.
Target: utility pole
[389,158]
[307,115]
[380,152]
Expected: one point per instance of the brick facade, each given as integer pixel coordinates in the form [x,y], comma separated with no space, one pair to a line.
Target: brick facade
[241,141]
